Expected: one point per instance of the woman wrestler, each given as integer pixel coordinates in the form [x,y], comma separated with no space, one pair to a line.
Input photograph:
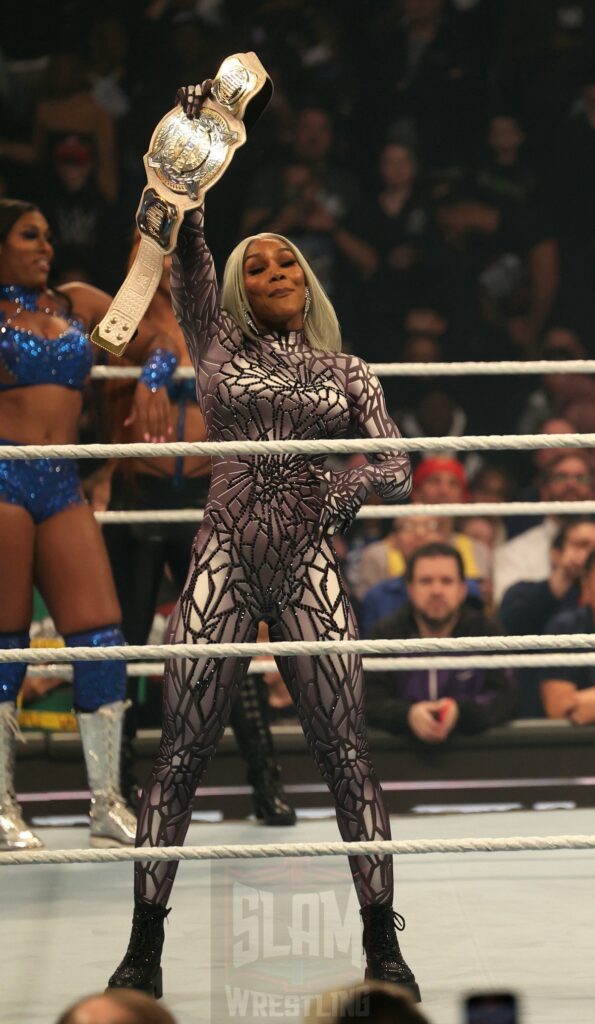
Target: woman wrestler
[48,535]
[268,364]
[139,553]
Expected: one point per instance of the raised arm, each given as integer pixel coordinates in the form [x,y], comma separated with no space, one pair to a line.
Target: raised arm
[388,474]
[195,296]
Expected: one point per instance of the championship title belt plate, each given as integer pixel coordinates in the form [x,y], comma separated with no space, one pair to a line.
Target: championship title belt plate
[186,157]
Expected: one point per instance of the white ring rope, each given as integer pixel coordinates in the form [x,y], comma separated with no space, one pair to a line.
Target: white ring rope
[262,666]
[369,848]
[330,446]
[61,656]
[296,648]
[465,368]
[469,510]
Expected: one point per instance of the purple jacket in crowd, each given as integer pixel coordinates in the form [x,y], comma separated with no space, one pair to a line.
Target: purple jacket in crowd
[485,697]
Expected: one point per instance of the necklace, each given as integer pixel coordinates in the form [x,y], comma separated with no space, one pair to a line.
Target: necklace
[24,298]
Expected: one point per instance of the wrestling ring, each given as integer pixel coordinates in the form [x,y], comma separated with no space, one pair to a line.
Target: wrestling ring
[505,907]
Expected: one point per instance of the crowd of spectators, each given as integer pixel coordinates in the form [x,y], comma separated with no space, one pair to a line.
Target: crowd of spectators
[435,161]
[430,157]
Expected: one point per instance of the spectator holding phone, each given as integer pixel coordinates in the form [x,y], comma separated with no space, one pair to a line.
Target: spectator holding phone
[431,703]
[528,605]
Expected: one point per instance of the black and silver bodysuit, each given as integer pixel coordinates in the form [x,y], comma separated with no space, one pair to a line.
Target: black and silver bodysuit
[263,552]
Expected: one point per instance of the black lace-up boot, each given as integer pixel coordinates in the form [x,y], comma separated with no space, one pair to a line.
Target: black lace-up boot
[141,966]
[384,958]
[249,721]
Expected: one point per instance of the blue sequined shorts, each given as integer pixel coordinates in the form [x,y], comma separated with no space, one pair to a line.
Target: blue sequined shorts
[43,487]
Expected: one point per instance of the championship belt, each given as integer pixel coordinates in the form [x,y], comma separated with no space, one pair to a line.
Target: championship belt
[185,158]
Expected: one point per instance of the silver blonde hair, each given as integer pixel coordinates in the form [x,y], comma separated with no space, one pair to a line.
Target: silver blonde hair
[321,326]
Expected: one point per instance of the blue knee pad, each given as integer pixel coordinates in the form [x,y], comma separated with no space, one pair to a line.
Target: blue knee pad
[12,673]
[97,682]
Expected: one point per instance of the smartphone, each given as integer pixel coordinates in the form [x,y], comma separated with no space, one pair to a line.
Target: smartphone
[492,1008]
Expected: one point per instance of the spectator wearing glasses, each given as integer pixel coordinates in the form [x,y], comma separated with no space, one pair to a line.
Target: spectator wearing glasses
[527,557]
[536,467]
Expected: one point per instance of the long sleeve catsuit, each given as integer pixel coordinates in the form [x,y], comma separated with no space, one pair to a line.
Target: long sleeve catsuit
[262,554]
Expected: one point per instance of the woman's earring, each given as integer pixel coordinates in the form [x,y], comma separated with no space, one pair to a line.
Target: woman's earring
[249,320]
[307,303]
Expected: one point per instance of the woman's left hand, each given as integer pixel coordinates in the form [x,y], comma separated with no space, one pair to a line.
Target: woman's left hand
[151,412]
[341,498]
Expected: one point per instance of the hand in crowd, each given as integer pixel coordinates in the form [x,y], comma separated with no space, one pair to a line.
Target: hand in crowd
[304,214]
[433,720]
[459,219]
[402,257]
[151,412]
[567,566]
[319,219]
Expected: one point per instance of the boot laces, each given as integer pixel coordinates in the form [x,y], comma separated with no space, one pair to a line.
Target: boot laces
[146,931]
[381,925]
[399,921]
[386,924]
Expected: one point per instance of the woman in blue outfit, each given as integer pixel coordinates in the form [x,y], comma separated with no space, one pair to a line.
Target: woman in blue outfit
[48,535]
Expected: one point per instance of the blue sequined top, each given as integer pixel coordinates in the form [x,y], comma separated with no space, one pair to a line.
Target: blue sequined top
[32,359]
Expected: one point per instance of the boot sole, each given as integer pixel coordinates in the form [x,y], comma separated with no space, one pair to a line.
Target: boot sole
[20,847]
[154,988]
[279,820]
[413,990]
[104,842]
[410,986]
[157,985]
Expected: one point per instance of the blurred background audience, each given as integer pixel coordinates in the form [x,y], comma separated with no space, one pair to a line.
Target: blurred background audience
[435,160]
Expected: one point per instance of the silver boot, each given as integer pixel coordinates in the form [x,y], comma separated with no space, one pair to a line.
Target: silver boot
[14,833]
[112,824]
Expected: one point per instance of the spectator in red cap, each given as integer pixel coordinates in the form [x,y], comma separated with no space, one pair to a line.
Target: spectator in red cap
[380,579]
[82,222]
[439,480]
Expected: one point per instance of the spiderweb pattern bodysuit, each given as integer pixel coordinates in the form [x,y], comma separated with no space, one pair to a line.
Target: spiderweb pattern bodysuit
[261,554]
